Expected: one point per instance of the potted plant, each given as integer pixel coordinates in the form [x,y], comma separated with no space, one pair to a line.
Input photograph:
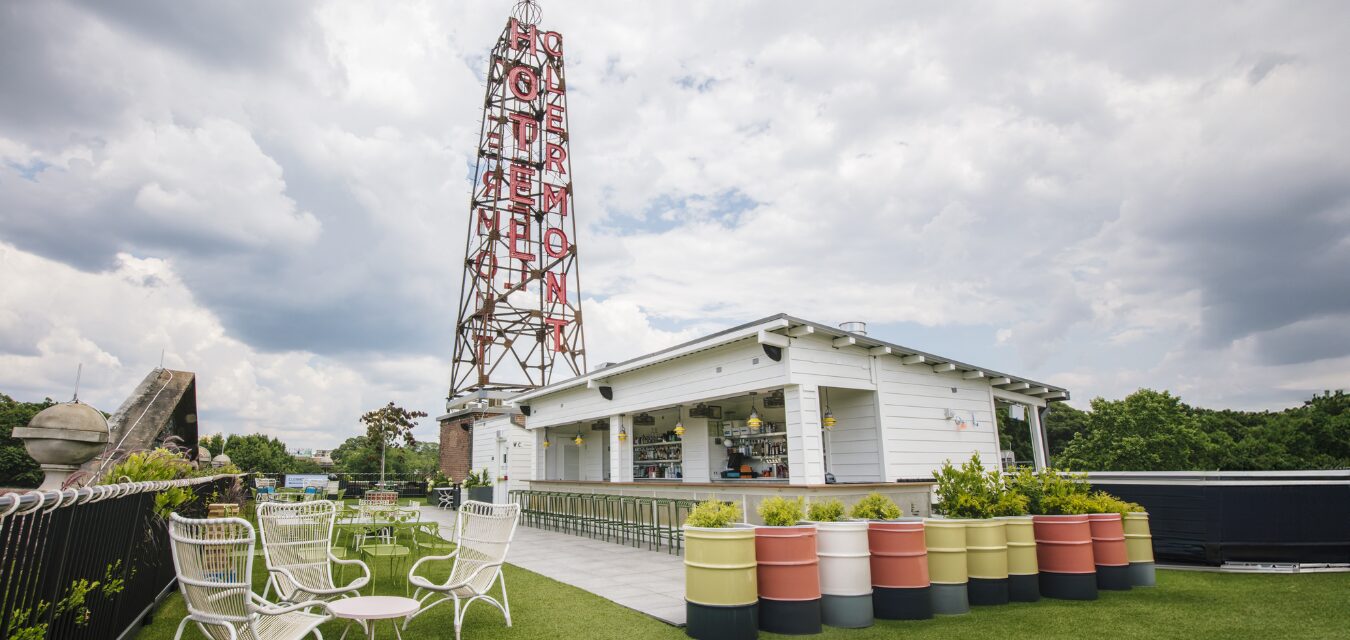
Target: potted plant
[1059,504]
[1109,552]
[899,560]
[845,566]
[971,495]
[1139,546]
[1023,571]
[720,574]
[789,577]
[479,485]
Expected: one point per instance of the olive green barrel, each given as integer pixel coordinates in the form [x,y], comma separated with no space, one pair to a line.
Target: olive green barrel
[947,568]
[1139,549]
[1023,571]
[721,591]
[987,561]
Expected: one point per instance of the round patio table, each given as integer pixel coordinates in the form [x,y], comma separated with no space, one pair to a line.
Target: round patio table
[367,610]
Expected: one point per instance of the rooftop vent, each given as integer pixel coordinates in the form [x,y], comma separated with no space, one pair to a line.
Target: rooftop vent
[859,328]
[603,365]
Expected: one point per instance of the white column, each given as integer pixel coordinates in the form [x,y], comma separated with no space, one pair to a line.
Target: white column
[695,446]
[1039,452]
[806,444]
[540,457]
[620,453]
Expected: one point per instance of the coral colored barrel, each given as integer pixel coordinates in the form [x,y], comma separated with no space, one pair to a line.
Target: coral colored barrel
[946,551]
[789,579]
[1108,551]
[1064,556]
[899,554]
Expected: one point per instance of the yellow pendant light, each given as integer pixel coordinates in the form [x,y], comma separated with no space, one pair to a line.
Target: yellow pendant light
[546,442]
[623,434]
[679,429]
[828,419]
[754,422]
[579,440]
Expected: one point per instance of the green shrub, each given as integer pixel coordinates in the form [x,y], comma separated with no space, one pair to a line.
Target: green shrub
[875,507]
[831,510]
[1104,502]
[1071,504]
[1049,492]
[1010,503]
[966,491]
[478,479]
[781,512]
[713,514]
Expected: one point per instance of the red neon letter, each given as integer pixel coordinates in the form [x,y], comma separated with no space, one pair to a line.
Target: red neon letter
[492,184]
[520,232]
[555,196]
[557,324]
[523,82]
[557,288]
[555,155]
[563,245]
[551,83]
[552,42]
[487,222]
[487,265]
[526,128]
[522,36]
[521,178]
[553,119]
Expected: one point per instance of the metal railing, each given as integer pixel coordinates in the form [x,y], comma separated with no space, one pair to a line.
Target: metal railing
[408,485]
[90,562]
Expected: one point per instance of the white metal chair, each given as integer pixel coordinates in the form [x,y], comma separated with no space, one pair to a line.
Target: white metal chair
[297,546]
[483,532]
[214,563]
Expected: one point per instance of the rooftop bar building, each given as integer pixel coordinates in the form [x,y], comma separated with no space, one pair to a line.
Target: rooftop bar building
[778,405]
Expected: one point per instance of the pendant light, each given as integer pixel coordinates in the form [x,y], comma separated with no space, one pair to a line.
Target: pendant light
[623,434]
[828,419]
[753,421]
[546,442]
[578,440]
[679,429]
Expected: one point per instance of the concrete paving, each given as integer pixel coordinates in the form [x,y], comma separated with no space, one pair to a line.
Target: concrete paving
[651,582]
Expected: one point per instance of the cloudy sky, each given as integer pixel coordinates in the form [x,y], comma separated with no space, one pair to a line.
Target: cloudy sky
[1099,195]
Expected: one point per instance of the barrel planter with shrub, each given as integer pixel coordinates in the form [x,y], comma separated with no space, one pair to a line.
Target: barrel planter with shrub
[720,574]
[1023,572]
[789,569]
[1108,552]
[1139,549]
[947,571]
[899,560]
[1064,555]
[845,566]
[987,561]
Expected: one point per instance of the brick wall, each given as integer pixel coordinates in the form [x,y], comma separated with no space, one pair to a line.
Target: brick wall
[456,447]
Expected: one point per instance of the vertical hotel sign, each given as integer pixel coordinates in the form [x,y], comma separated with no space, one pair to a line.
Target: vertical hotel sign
[520,302]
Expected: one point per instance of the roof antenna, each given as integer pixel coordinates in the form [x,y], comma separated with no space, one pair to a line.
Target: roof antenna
[161,359]
[78,372]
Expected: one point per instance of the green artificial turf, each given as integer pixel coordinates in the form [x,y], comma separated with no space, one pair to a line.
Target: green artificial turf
[1189,605]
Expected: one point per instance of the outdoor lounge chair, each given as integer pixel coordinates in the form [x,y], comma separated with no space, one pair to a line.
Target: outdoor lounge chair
[214,563]
[483,532]
[297,545]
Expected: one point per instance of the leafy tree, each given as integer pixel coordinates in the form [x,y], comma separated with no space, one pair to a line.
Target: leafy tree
[1061,423]
[17,468]
[1147,431]
[424,459]
[387,424]
[304,465]
[258,453]
[214,443]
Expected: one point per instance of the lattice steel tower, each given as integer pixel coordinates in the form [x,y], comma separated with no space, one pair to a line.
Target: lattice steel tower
[520,302]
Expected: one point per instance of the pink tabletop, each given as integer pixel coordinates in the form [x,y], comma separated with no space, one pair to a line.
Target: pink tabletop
[373,607]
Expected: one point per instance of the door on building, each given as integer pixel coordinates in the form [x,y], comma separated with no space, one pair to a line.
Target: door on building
[571,467]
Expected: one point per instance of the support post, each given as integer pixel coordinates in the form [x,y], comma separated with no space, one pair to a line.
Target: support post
[1039,449]
[806,443]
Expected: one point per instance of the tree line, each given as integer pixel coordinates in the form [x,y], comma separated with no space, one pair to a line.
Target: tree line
[1152,430]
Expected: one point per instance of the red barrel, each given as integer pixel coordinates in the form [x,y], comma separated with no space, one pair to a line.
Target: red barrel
[899,554]
[1064,555]
[1109,552]
[789,579]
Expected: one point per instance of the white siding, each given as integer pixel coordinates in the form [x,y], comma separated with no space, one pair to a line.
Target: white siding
[806,463]
[696,448]
[854,444]
[744,367]
[918,436]
[814,361]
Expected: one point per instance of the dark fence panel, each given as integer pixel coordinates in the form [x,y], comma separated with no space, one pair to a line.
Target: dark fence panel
[87,565]
[1213,518]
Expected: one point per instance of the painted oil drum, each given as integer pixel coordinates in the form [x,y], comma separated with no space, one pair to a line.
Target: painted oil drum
[987,561]
[1023,572]
[1064,556]
[721,583]
[789,579]
[900,589]
[947,565]
[1108,552]
[1139,549]
[845,574]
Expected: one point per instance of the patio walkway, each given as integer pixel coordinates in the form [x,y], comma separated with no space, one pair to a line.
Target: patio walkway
[651,582]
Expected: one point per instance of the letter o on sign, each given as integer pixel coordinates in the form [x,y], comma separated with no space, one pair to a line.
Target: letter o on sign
[487,265]
[563,244]
[524,82]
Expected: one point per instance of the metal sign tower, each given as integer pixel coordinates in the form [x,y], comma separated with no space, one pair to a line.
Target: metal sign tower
[520,301]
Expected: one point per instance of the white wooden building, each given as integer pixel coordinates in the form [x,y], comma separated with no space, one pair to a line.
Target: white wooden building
[898,412]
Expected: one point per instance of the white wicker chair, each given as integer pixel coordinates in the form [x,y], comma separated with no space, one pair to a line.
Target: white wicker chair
[483,532]
[214,563]
[297,547]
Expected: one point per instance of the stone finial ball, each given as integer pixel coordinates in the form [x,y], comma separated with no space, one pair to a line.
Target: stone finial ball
[69,433]
[220,460]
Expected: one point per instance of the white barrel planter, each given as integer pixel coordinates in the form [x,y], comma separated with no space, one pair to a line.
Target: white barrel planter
[845,573]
